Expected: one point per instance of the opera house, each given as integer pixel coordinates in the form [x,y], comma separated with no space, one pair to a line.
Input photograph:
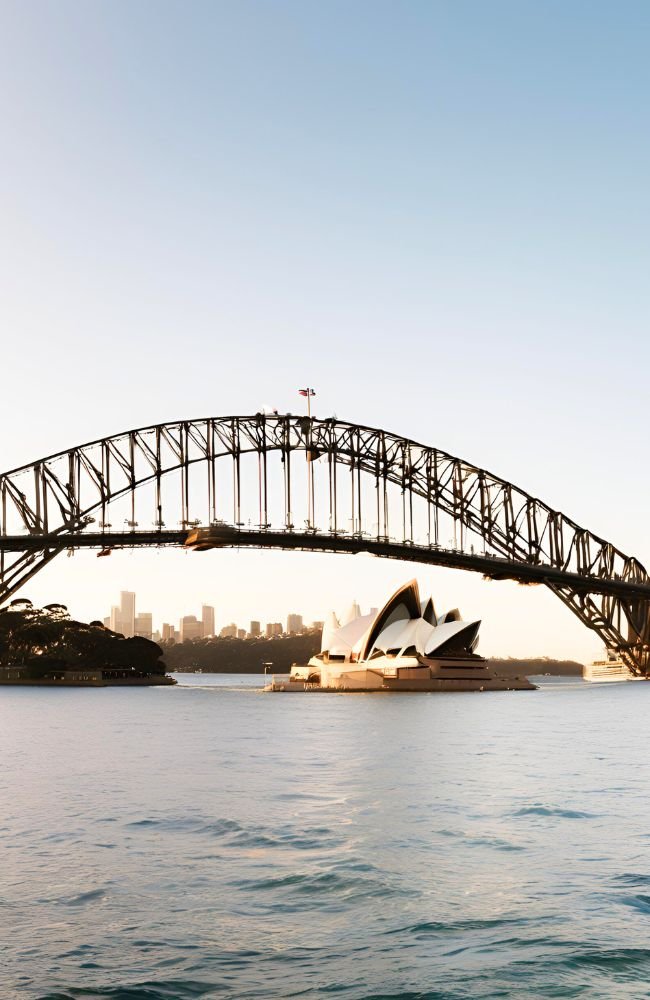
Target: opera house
[403,647]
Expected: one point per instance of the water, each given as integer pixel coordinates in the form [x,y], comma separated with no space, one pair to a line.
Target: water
[214,841]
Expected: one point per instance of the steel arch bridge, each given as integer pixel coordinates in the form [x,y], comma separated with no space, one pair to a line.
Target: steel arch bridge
[294,482]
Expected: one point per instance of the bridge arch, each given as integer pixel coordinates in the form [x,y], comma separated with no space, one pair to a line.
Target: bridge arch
[295,482]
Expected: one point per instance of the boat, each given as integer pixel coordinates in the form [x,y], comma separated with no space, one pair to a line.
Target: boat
[403,647]
[608,670]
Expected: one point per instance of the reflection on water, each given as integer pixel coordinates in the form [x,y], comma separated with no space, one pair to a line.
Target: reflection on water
[212,840]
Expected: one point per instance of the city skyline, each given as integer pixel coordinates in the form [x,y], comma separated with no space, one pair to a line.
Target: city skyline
[516,620]
[125,618]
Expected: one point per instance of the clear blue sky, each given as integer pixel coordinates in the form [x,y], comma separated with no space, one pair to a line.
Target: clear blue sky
[435,213]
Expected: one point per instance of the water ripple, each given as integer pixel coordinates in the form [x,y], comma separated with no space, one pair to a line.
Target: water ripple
[541,810]
[368,849]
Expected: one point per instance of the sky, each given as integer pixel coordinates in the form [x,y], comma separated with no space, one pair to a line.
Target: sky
[437,214]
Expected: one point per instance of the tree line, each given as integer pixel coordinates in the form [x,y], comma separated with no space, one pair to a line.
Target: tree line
[242,656]
[249,656]
[46,639]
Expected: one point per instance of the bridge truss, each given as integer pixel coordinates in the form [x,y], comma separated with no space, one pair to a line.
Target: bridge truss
[294,482]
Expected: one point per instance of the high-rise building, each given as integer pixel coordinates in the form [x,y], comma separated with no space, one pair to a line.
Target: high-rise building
[167,632]
[294,624]
[241,633]
[277,628]
[144,624]
[268,631]
[190,628]
[229,631]
[122,617]
[256,630]
[127,612]
[207,618]
[107,622]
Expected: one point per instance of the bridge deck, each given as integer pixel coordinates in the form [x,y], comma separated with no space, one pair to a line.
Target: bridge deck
[226,536]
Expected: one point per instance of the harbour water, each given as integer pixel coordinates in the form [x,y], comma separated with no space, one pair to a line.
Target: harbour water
[211,840]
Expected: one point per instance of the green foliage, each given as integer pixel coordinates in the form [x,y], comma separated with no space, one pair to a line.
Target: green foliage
[243,656]
[48,635]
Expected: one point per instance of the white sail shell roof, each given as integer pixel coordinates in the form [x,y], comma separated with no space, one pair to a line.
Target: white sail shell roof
[344,640]
[442,633]
[402,635]
[330,629]
[352,613]
[415,629]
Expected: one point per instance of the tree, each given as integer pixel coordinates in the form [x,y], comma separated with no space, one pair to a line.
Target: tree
[30,635]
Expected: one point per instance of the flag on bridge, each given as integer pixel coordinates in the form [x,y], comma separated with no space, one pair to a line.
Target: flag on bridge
[306,392]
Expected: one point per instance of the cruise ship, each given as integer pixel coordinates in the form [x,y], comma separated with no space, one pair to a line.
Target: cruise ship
[608,670]
[403,647]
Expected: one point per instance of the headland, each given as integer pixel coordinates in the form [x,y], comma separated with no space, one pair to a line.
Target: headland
[44,646]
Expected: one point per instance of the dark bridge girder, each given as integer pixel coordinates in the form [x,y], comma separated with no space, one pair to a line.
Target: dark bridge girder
[56,504]
[220,537]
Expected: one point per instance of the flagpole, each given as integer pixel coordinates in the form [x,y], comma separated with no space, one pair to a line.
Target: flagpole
[310,474]
[310,479]
[311,462]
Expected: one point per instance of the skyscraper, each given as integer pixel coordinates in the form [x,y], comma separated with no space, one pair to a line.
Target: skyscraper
[256,629]
[127,612]
[144,624]
[191,628]
[294,624]
[207,617]
[123,617]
